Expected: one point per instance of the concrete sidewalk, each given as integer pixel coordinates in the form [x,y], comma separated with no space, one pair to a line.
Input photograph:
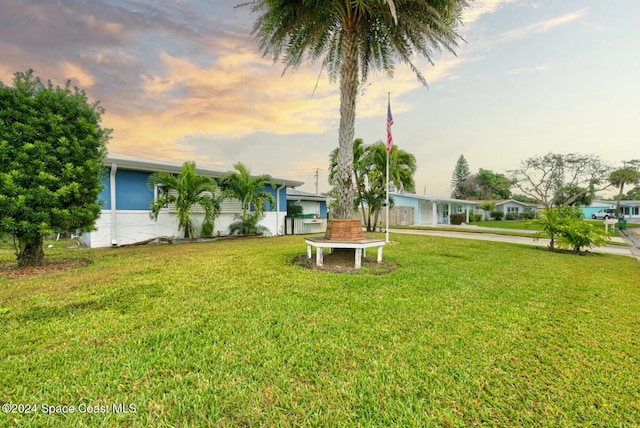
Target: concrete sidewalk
[462,234]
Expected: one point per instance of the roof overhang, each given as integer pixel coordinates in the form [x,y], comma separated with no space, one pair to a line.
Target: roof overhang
[151,166]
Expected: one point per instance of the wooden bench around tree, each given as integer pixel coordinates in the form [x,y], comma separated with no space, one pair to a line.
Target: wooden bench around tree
[360,246]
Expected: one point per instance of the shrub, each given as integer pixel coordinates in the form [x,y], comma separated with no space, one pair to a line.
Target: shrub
[251,227]
[496,214]
[569,228]
[527,214]
[294,210]
[511,216]
[475,218]
[458,218]
[578,234]
[207,229]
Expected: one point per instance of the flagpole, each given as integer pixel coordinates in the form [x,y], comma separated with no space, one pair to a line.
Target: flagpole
[386,236]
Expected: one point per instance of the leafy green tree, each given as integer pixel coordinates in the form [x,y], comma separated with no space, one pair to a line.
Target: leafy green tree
[461,174]
[250,192]
[632,195]
[627,175]
[492,185]
[186,191]
[52,149]
[354,37]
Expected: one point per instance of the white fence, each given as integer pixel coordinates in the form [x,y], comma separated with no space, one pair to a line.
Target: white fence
[304,226]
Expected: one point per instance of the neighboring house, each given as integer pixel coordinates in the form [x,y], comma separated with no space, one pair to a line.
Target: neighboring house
[314,213]
[310,202]
[511,206]
[433,211]
[630,209]
[126,198]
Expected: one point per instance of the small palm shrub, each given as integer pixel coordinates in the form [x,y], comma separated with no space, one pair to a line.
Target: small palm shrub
[566,227]
[207,229]
[248,227]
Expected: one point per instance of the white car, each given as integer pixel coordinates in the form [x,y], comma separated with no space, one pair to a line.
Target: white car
[604,214]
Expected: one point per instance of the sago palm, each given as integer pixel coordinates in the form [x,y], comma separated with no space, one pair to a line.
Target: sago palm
[185,191]
[352,37]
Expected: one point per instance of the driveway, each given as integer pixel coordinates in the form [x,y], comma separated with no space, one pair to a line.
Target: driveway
[608,249]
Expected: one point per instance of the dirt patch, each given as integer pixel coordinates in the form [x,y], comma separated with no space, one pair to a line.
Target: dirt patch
[342,261]
[12,271]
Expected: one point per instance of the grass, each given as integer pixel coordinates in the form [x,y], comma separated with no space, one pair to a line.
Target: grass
[230,333]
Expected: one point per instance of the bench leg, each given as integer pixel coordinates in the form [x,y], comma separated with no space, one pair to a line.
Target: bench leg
[319,256]
[358,258]
[379,254]
[308,251]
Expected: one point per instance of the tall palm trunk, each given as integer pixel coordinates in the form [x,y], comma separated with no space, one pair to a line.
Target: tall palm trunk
[348,91]
[619,198]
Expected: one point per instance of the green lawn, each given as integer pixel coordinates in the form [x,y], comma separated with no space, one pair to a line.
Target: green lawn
[229,333]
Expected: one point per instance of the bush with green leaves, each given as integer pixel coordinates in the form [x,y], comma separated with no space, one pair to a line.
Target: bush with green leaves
[475,218]
[207,229]
[527,214]
[294,210]
[248,227]
[579,234]
[496,214]
[52,149]
[511,216]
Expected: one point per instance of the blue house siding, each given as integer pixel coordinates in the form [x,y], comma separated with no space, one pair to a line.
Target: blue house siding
[273,192]
[133,191]
[105,196]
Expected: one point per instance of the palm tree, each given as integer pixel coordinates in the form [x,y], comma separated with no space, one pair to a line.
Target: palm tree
[369,170]
[249,191]
[353,37]
[185,190]
[402,167]
[359,171]
[627,175]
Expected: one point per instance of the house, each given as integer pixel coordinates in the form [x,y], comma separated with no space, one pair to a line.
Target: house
[511,207]
[310,202]
[314,213]
[126,198]
[433,211]
[630,209]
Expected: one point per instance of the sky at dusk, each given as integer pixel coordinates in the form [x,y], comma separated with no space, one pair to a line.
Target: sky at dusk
[184,80]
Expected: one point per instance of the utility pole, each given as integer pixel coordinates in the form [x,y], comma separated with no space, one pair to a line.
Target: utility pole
[317,174]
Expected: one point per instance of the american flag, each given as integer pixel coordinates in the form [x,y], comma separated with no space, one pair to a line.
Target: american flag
[389,123]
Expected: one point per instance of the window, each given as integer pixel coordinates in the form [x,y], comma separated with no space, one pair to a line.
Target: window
[513,210]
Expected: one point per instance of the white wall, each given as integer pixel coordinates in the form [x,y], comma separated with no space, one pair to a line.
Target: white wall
[136,226]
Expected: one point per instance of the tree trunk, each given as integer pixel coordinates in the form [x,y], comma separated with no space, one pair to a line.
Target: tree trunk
[619,198]
[30,251]
[348,91]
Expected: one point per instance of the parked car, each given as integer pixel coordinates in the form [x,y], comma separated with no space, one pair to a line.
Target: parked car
[604,214]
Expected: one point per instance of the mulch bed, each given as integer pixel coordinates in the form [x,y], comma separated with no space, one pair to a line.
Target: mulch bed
[342,261]
[12,271]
